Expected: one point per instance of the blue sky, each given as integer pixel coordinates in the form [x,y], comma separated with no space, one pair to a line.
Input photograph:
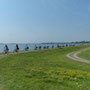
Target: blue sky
[44,20]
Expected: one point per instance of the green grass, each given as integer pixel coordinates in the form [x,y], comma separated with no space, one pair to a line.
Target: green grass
[85,54]
[44,70]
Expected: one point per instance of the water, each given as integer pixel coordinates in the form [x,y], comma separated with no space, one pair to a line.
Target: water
[12,46]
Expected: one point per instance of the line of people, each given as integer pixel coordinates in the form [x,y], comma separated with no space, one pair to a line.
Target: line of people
[6,49]
[42,47]
[47,47]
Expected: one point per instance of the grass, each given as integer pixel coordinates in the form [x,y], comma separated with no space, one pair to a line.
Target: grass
[44,70]
[85,54]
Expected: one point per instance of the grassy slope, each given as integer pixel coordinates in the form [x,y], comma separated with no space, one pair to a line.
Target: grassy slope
[85,54]
[32,71]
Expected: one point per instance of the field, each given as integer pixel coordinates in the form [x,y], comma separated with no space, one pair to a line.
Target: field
[44,70]
[85,54]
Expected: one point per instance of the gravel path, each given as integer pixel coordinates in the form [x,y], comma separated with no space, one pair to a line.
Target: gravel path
[74,56]
[11,53]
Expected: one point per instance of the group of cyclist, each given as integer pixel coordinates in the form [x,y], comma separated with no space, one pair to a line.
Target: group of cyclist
[47,47]
[42,47]
[6,49]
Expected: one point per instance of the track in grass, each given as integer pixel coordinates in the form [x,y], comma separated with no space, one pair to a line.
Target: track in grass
[74,56]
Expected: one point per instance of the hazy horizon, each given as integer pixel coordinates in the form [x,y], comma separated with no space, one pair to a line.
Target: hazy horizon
[37,21]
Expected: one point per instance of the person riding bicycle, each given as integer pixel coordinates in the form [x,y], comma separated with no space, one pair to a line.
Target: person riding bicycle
[17,48]
[6,49]
[26,48]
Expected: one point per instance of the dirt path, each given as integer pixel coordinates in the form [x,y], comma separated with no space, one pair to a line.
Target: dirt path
[11,53]
[74,56]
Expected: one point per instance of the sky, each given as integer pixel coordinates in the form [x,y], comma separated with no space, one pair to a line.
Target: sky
[36,21]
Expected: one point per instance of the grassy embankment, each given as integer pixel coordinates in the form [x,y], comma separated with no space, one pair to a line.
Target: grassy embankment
[85,54]
[44,70]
